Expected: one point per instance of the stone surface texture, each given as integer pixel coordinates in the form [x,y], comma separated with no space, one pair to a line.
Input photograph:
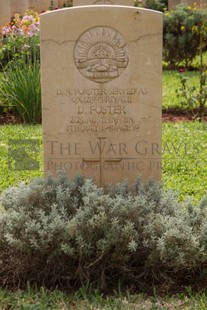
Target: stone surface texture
[18,6]
[101,69]
[4,12]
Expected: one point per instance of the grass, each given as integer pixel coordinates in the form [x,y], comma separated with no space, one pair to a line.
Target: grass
[42,299]
[184,164]
[184,169]
[9,173]
[171,82]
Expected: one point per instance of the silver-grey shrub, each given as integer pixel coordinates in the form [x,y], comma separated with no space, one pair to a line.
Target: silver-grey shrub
[62,232]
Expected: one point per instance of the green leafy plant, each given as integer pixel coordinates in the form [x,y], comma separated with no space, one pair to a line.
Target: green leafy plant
[64,232]
[19,60]
[188,93]
[158,5]
[19,40]
[20,90]
[191,97]
[184,28]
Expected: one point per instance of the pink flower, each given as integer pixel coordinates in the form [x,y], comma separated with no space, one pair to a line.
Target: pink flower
[6,30]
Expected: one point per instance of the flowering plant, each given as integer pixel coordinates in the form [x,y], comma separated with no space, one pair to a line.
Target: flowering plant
[28,25]
[20,39]
[20,90]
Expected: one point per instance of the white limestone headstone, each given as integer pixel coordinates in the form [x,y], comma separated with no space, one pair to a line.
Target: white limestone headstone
[5,14]
[101,68]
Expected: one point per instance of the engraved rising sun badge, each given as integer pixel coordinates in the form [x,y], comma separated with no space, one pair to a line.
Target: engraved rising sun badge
[101,54]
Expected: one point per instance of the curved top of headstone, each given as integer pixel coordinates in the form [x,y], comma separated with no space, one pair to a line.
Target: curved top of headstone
[107,2]
[101,68]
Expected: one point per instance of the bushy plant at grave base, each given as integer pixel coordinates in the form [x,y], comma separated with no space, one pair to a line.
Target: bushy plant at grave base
[19,40]
[67,233]
[182,35]
[20,91]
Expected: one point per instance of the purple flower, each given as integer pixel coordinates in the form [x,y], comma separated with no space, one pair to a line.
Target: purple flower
[28,18]
[6,30]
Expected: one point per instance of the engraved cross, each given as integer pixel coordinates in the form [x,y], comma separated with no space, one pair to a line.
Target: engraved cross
[101,160]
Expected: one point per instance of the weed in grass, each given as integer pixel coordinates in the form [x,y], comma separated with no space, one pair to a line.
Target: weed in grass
[192,97]
[171,82]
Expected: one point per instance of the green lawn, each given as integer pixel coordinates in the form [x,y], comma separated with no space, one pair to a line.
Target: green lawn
[184,169]
[184,164]
[185,158]
[9,173]
[171,82]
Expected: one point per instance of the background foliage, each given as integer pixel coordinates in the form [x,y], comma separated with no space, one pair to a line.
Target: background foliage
[185,37]
[20,40]
[20,90]
[184,28]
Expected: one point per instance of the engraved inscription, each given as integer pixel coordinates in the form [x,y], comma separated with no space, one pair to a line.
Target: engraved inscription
[101,54]
[102,96]
[103,124]
[103,110]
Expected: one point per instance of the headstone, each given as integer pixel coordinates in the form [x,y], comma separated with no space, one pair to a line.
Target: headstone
[97,2]
[8,8]
[61,3]
[4,12]
[40,5]
[101,92]
[18,6]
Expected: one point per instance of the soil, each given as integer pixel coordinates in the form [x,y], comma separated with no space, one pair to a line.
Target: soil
[169,117]
[7,119]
